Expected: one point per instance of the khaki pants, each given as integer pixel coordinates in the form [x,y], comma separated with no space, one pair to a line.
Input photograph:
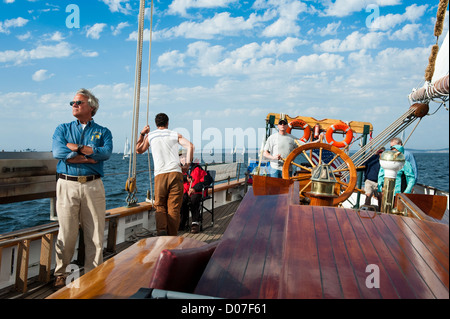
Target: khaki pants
[168,200]
[80,204]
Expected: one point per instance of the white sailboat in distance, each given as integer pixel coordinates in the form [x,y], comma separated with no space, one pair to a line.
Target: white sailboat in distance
[127,149]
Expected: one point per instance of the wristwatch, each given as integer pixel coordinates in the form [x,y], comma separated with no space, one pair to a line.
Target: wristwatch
[80,147]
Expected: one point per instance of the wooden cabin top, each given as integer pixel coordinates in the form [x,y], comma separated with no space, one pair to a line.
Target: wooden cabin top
[357,127]
[275,248]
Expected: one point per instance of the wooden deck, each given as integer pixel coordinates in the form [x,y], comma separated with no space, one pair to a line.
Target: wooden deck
[222,218]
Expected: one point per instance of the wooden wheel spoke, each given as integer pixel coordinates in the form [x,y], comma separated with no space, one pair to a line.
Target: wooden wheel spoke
[343,184]
[306,186]
[341,170]
[300,178]
[302,167]
[309,159]
[320,156]
[333,159]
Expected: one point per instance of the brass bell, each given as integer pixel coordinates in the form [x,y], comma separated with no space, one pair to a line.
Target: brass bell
[323,180]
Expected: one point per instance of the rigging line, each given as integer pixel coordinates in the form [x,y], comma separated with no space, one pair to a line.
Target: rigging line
[397,123]
[148,96]
[137,88]
[396,127]
[404,143]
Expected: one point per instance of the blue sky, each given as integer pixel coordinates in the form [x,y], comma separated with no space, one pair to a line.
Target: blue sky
[216,66]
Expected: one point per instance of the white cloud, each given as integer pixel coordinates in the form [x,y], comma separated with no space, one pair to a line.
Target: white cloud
[89,54]
[330,29]
[117,30]
[414,12]
[12,23]
[220,24]
[342,8]
[253,59]
[401,59]
[59,50]
[287,12]
[389,21]
[94,31]
[281,27]
[170,60]
[57,36]
[408,32]
[272,48]
[117,6]
[41,75]
[179,7]
[354,41]
[25,36]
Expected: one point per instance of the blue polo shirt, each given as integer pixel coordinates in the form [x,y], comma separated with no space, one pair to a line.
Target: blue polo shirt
[93,135]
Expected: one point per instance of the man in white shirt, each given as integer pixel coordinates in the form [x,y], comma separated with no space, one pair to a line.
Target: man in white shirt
[278,146]
[168,172]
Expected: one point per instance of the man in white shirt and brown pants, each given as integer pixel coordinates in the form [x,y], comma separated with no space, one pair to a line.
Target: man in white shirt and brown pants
[168,172]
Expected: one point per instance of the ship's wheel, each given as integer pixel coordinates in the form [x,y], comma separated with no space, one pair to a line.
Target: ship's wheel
[313,153]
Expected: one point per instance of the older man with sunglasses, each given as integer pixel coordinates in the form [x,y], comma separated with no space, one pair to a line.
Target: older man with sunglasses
[81,147]
[278,146]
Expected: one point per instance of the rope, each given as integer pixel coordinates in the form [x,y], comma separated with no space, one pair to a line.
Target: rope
[150,195]
[131,182]
[364,153]
[405,141]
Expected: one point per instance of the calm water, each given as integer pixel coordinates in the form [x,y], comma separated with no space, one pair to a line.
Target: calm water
[433,170]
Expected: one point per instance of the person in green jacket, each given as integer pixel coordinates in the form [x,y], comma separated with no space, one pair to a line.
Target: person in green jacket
[405,179]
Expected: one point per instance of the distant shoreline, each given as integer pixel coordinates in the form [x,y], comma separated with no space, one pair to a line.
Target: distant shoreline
[441,150]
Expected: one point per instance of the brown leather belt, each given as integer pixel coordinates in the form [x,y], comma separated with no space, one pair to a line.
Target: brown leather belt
[80,179]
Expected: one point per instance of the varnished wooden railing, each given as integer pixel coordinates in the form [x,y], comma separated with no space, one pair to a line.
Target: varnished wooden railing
[23,244]
[423,207]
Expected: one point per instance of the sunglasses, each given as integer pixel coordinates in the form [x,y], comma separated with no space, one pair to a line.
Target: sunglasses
[282,123]
[76,102]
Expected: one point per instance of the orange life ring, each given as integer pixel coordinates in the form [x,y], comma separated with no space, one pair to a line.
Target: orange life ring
[300,124]
[341,127]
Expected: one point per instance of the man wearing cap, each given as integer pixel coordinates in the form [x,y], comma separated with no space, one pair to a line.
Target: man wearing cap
[81,147]
[278,146]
